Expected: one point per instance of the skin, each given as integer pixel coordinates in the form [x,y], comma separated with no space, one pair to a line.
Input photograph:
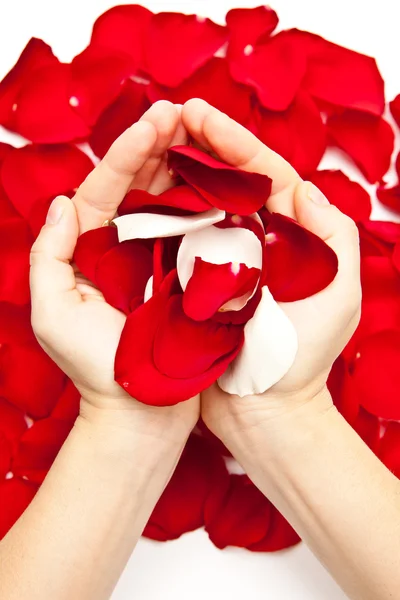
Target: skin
[93,505]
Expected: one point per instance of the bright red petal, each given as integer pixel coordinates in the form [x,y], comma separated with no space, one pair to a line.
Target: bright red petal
[342,390]
[367,139]
[298,133]
[378,237]
[390,197]
[389,448]
[298,263]
[395,109]
[67,407]
[368,428]
[280,535]
[225,187]
[15,496]
[5,456]
[48,171]
[12,421]
[91,247]
[211,286]
[15,245]
[350,197]
[195,41]
[135,369]
[181,196]
[130,105]
[122,273]
[15,324]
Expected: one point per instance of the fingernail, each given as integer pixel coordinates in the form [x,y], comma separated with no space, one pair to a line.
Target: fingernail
[55,212]
[316,195]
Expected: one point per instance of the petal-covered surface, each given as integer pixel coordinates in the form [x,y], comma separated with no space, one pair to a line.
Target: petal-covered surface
[222,185]
[390,197]
[148,225]
[377,375]
[15,496]
[128,107]
[12,422]
[15,324]
[378,238]
[135,368]
[218,246]
[298,263]
[367,139]
[195,41]
[91,247]
[269,349]
[15,245]
[298,133]
[349,196]
[182,196]
[211,287]
[214,84]
[122,273]
[48,171]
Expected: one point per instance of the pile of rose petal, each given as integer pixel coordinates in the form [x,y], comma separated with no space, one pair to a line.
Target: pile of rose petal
[299,94]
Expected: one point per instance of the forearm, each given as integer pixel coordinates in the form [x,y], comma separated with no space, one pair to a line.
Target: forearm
[77,535]
[333,490]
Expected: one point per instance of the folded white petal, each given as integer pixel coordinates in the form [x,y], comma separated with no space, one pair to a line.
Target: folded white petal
[148,290]
[268,352]
[218,246]
[147,225]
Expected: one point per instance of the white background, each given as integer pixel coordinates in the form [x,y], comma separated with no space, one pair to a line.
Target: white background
[192,566]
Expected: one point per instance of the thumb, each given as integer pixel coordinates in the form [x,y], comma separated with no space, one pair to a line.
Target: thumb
[52,278]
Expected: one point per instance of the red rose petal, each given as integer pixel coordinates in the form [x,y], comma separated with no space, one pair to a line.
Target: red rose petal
[181,196]
[5,456]
[390,197]
[122,273]
[48,171]
[396,257]
[298,263]
[298,133]
[214,84]
[34,56]
[12,421]
[389,448]
[377,375]
[91,247]
[264,67]
[395,109]
[15,245]
[38,448]
[15,324]
[97,75]
[368,428]
[342,390]
[123,28]
[378,237]
[350,197]
[130,105]
[184,348]
[280,535]
[67,407]
[367,139]
[195,41]
[211,286]
[135,370]
[225,187]
[15,496]
[242,519]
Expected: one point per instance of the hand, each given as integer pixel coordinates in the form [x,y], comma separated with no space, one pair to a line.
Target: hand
[325,321]
[70,317]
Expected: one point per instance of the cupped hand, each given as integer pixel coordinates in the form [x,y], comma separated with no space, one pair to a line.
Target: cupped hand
[70,317]
[324,322]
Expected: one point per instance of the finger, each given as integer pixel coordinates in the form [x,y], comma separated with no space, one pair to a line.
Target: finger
[237,146]
[314,212]
[52,278]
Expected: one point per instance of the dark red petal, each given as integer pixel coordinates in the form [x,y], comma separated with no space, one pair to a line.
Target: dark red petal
[214,84]
[389,448]
[184,348]
[377,375]
[67,407]
[368,428]
[15,245]
[12,421]
[342,390]
[280,535]
[123,28]
[15,324]
[44,112]
[181,506]
[48,171]
[38,448]
[390,197]
[35,55]
[130,105]
[298,263]
[341,76]
[91,247]
[97,75]
[29,379]
[211,286]
[367,139]
[298,133]
[195,41]
[123,272]
[395,109]
[378,237]
[243,517]
[5,456]
[264,67]
[135,370]
[223,186]
[181,196]
[350,197]
[396,257]
[15,496]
